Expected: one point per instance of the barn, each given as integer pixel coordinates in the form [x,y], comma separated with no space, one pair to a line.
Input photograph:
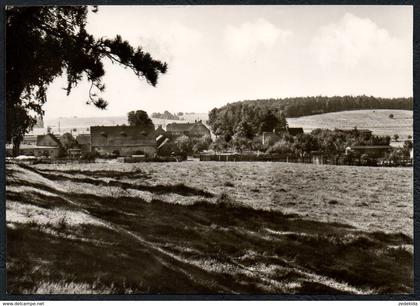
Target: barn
[122,140]
[196,129]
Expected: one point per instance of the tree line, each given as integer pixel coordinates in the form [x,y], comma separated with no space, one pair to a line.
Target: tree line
[305,106]
[167,115]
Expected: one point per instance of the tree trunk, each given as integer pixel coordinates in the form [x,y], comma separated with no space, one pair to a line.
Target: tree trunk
[16,146]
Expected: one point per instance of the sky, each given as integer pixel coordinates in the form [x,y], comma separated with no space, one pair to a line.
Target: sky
[222,54]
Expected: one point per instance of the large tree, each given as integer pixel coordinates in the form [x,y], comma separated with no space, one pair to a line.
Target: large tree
[43,43]
[141,118]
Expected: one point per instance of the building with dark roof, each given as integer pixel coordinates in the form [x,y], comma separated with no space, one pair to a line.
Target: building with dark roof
[196,129]
[122,140]
[48,140]
[46,146]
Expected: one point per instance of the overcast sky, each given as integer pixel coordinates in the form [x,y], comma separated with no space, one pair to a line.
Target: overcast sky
[221,54]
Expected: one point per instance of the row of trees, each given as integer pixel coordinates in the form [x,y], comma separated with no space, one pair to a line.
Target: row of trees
[305,106]
[330,142]
[167,115]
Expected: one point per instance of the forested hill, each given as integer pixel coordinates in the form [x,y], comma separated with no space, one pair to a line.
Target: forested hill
[305,106]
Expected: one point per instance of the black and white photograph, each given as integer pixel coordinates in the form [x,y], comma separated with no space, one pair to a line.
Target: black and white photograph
[209,149]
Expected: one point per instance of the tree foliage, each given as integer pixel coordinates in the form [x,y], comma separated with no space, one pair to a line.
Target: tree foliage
[46,42]
[141,119]
[241,120]
[166,115]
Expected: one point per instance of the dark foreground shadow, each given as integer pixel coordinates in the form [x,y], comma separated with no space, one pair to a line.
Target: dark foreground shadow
[139,247]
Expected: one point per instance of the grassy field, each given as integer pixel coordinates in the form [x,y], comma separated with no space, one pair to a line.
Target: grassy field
[198,227]
[376,120]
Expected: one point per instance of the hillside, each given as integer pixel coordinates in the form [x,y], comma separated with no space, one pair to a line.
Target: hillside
[376,120]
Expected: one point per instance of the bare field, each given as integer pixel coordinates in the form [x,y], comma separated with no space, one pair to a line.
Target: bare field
[203,227]
[376,120]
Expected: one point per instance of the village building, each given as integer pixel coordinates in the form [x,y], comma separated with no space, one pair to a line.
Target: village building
[122,140]
[46,146]
[196,129]
[48,140]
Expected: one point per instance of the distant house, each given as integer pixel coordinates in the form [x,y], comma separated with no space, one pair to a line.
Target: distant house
[196,129]
[122,140]
[378,151]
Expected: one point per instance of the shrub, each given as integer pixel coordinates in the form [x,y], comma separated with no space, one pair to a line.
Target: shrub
[89,155]
[280,147]
[116,153]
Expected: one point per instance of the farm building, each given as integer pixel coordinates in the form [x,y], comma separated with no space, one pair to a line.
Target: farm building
[122,140]
[46,145]
[34,150]
[196,129]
